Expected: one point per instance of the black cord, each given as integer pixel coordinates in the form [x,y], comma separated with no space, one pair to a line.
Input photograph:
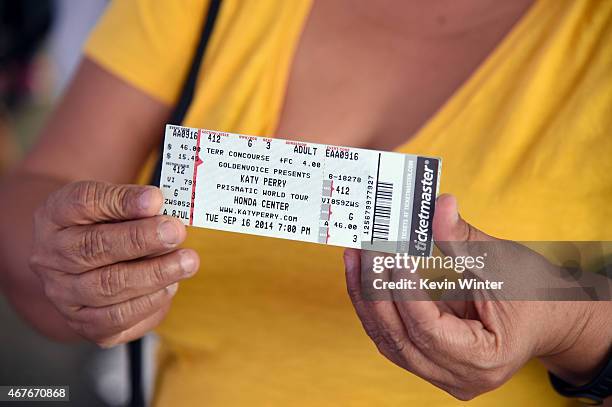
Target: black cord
[136,377]
[178,115]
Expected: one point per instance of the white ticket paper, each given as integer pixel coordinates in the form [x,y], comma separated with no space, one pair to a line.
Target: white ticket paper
[341,196]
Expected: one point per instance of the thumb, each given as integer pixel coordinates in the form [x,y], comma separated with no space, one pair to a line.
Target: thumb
[87,202]
[511,263]
[451,231]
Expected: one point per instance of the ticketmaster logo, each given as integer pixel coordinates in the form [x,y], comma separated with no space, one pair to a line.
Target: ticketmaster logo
[422,231]
[423,207]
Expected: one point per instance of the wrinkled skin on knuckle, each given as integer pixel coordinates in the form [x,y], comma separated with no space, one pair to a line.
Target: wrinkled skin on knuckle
[112,281]
[84,196]
[146,303]
[91,245]
[157,273]
[121,199]
[136,238]
[117,316]
[114,197]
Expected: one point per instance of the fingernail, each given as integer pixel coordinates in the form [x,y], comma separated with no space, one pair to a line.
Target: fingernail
[172,288]
[188,262]
[145,198]
[169,233]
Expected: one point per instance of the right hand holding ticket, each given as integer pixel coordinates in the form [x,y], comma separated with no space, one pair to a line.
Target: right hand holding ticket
[107,261]
[470,347]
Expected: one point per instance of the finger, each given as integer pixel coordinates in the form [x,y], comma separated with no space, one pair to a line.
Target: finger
[508,262]
[120,282]
[352,263]
[83,248]
[380,318]
[388,336]
[137,331]
[451,232]
[104,322]
[352,268]
[89,202]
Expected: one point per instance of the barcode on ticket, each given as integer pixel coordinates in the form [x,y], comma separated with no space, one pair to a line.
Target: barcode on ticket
[317,193]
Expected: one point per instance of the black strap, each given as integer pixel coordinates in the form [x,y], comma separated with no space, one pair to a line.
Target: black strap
[181,108]
[178,115]
[137,398]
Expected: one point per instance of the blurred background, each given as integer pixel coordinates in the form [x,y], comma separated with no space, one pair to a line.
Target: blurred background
[40,45]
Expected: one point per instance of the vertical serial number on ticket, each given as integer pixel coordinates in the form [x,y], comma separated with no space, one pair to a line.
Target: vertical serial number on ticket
[341,196]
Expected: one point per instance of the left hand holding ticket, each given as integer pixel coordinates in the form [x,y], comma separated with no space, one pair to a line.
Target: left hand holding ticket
[468,347]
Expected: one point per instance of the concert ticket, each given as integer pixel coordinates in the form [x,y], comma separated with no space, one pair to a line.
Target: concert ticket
[341,196]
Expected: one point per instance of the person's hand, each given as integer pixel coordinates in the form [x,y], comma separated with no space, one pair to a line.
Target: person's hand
[470,347]
[107,262]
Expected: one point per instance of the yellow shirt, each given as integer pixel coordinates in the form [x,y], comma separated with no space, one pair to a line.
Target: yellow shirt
[526,144]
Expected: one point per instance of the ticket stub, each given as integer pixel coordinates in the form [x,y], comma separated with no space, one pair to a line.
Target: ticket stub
[342,196]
